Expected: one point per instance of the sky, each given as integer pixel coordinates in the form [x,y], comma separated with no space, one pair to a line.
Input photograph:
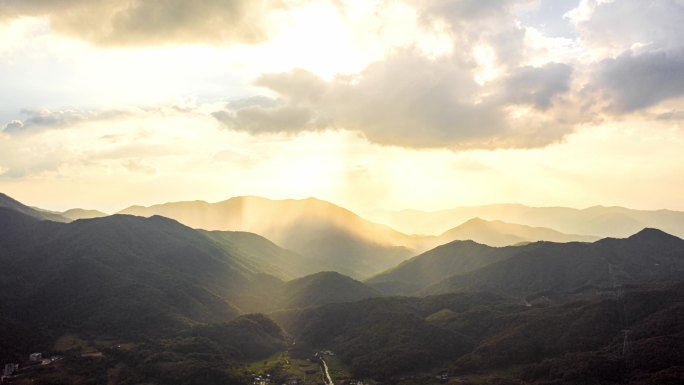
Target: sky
[391,104]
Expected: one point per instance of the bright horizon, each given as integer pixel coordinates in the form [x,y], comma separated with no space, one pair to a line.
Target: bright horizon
[369,213]
[392,104]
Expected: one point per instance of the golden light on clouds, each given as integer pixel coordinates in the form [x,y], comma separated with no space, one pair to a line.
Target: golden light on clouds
[393,103]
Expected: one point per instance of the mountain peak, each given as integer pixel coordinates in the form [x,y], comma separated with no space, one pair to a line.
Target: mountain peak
[653,234]
[475,220]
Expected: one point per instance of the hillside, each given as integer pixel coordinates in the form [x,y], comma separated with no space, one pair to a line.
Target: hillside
[382,337]
[457,257]
[537,268]
[13,204]
[260,254]
[548,269]
[339,239]
[485,339]
[322,288]
[120,275]
[498,233]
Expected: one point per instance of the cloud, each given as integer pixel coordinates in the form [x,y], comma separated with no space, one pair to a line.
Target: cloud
[480,22]
[411,101]
[635,82]
[257,119]
[46,119]
[538,85]
[640,50]
[621,25]
[124,22]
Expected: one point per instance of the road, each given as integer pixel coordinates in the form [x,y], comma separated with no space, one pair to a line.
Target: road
[327,378]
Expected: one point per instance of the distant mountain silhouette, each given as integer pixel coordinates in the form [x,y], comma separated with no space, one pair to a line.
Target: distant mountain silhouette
[339,239]
[74,214]
[499,233]
[599,221]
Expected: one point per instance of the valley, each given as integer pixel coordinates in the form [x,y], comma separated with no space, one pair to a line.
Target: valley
[124,299]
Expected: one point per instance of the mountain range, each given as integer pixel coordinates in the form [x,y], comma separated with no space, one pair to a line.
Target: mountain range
[498,233]
[336,238]
[600,221]
[180,298]
[532,270]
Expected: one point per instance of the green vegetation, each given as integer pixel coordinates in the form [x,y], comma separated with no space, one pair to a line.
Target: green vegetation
[480,337]
[558,271]
[131,300]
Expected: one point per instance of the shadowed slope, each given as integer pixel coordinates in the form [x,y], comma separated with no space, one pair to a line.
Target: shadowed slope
[120,275]
[13,204]
[650,256]
[322,288]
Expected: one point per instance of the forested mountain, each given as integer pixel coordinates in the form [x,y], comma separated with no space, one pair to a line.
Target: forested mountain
[557,269]
[458,257]
[177,297]
[322,288]
[539,268]
[483,338]
[261,254]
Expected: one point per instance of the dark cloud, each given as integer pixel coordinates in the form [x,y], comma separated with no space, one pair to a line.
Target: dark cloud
[43,119]
[634,82]
[46,119]
[121,22]
[648,68]
[538,85]
[257,119]
[412,101]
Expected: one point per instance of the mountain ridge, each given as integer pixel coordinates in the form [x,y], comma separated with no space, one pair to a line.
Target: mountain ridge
[311,227]
[597,220]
